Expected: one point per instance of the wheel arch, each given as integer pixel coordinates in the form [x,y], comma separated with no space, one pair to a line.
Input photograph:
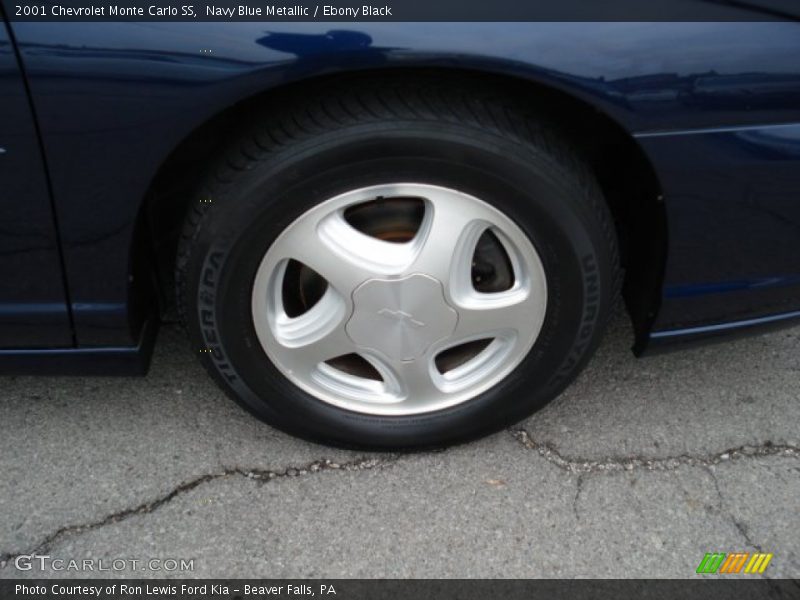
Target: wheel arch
[628,179]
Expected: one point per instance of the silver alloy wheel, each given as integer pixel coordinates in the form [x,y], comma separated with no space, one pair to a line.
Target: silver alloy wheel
[399,307]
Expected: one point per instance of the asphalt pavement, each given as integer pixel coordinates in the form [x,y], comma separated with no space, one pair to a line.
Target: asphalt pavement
[638,470]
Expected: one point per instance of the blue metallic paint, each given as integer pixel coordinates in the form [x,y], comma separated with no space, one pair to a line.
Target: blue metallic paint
[725,327]
[733,210]
[716,107]
[33,306]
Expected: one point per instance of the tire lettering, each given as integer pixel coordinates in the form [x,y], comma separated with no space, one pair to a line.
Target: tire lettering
[206,297]
[591,310]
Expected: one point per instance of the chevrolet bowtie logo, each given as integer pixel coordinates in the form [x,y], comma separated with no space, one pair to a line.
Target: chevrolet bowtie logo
[403,317]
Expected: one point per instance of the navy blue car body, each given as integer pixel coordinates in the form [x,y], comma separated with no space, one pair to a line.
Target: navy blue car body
[102,123]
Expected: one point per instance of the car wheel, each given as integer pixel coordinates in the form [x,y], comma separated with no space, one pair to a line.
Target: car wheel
[397,264]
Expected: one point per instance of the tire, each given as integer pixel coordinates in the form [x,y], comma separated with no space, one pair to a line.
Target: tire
[396,147]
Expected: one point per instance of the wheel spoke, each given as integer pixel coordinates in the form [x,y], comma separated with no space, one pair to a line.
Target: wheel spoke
[331,248]
[312,350]
[508,312]
[416,381]
[449,233]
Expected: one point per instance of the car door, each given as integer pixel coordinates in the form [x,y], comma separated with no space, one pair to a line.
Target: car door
[34,312]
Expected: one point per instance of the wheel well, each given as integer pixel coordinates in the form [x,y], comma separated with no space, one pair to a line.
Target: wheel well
[626,176]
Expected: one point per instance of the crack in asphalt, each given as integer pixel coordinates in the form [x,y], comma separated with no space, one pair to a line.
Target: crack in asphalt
[741,527]
[585,466]
[580,465]
[577,497]
[256,474]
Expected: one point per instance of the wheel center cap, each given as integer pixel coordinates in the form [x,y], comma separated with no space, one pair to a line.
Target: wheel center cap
[400,317]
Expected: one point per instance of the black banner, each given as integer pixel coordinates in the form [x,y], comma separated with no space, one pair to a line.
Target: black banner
[401,10]
[438,589]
